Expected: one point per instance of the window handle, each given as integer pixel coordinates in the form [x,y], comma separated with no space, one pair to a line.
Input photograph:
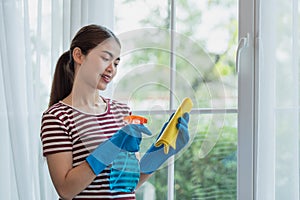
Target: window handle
[244,41]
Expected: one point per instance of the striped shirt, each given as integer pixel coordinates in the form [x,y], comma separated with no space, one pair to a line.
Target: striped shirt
[65,128]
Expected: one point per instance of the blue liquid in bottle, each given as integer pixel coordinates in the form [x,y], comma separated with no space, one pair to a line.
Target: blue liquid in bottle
[125,172]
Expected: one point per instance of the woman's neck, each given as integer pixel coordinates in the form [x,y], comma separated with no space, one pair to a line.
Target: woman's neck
[89,102]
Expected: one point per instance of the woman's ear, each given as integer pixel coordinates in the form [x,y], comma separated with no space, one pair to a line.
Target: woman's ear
[77,55]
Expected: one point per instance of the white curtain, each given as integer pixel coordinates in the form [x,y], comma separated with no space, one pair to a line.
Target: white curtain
[32,36]
[278,101]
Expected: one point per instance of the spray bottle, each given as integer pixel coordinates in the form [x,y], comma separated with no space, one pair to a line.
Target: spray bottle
[125,170]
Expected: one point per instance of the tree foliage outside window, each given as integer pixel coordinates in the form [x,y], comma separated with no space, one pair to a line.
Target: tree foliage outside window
[207,32]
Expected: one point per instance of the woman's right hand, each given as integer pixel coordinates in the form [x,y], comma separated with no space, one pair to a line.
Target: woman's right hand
[127,138]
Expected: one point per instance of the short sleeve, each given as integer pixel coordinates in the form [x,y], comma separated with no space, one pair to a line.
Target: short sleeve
[54,135]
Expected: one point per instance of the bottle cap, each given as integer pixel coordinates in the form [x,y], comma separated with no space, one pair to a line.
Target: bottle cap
[135,119]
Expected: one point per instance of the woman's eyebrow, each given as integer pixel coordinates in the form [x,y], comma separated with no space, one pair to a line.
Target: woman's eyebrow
[109,53]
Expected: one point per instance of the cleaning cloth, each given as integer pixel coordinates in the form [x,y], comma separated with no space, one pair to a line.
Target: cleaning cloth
[169,136]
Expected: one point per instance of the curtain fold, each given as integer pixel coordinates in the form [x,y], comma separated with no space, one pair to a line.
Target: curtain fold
[30,47]
[17,93]
[278,101]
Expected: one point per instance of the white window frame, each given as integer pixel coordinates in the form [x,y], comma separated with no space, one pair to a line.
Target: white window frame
[247,98]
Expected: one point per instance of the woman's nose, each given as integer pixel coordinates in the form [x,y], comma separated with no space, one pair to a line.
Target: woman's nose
[110,68]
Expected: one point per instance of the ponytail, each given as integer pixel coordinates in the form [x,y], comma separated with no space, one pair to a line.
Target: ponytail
[63,78]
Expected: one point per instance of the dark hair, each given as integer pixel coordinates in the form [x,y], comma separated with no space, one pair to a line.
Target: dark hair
[87,38]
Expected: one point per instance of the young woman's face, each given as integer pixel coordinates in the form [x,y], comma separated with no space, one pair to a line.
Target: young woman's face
[99,66]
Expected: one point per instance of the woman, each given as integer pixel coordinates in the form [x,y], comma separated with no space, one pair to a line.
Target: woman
[82,132]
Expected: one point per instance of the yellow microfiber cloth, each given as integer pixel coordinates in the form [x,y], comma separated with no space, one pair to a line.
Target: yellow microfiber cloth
[169,136]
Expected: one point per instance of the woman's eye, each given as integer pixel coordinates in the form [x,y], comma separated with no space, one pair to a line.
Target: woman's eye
[105,59]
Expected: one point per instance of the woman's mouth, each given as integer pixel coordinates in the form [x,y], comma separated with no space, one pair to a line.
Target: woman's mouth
[106,78]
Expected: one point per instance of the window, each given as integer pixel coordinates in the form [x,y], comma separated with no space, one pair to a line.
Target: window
[160,67]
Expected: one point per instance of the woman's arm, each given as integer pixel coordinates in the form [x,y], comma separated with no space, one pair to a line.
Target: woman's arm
[143,179]
[68,181]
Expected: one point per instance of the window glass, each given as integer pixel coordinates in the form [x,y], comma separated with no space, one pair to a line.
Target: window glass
[207,169]
[143,76]
[206,44]
[205,41]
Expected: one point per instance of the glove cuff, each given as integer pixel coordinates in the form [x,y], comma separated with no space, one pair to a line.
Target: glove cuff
[95,165]
[153,159]
[102,156]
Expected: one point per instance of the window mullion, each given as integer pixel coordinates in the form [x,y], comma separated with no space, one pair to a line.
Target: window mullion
[246,104]
[193,111]
[172,89]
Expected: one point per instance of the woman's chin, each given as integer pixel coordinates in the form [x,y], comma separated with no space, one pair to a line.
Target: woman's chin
[101,86]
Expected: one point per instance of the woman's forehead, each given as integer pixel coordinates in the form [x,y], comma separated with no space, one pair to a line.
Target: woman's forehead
[109,43]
